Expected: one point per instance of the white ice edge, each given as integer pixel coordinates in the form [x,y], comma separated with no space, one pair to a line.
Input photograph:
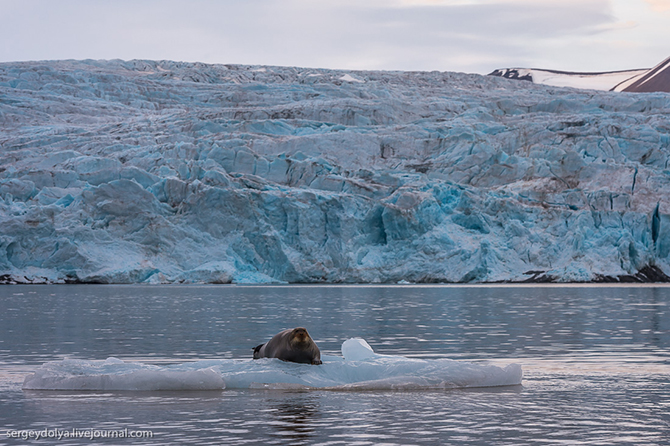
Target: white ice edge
[360,368]
[350,78]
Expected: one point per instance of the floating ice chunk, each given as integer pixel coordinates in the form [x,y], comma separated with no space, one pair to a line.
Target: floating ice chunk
[356,349]
[278,386]
[360,369]
[378,372]
[115,374]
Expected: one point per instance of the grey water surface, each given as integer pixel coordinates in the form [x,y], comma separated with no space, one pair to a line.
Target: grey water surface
[596,362]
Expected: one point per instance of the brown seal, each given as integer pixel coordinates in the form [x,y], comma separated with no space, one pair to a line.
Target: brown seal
[294,345]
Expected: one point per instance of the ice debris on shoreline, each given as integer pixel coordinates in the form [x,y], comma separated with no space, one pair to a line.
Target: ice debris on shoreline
[167,172]
[360,368]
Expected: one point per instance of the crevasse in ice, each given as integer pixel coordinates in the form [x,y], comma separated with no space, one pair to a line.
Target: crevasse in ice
[164,172]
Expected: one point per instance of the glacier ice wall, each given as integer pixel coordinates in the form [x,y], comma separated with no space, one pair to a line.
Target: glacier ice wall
[162,172]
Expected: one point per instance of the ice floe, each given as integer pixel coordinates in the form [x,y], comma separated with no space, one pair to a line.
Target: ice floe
[360,368]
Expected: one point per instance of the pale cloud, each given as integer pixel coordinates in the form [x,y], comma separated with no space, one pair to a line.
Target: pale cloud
[617,26]
[535,3]
[454,35]
[418,3]
[659,5]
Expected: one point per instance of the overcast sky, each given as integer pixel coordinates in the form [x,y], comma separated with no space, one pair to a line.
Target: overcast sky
[473,36]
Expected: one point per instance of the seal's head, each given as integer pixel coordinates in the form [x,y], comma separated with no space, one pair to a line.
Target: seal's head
[299,338]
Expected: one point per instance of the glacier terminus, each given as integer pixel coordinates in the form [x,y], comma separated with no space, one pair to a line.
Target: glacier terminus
[169,172]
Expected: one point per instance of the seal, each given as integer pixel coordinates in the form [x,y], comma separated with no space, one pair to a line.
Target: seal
[294,345]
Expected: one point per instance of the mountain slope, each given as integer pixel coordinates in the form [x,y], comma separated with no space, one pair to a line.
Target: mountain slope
[593,81]
[655,79]
[645,80]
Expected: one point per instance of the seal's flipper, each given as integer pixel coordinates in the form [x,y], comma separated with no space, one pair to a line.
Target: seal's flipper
[257,349]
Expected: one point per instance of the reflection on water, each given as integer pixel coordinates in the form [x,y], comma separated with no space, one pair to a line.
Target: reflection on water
[294,416]
[596,361]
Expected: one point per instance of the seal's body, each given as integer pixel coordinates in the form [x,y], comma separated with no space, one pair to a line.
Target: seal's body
[294,345]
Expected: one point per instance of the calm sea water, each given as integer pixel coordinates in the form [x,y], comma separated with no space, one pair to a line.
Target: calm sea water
[596,362]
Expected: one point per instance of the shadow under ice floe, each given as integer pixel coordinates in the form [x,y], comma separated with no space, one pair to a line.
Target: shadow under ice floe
[360,368]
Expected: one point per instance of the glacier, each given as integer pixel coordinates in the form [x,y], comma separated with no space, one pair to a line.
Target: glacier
[360,368]
[172,172]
